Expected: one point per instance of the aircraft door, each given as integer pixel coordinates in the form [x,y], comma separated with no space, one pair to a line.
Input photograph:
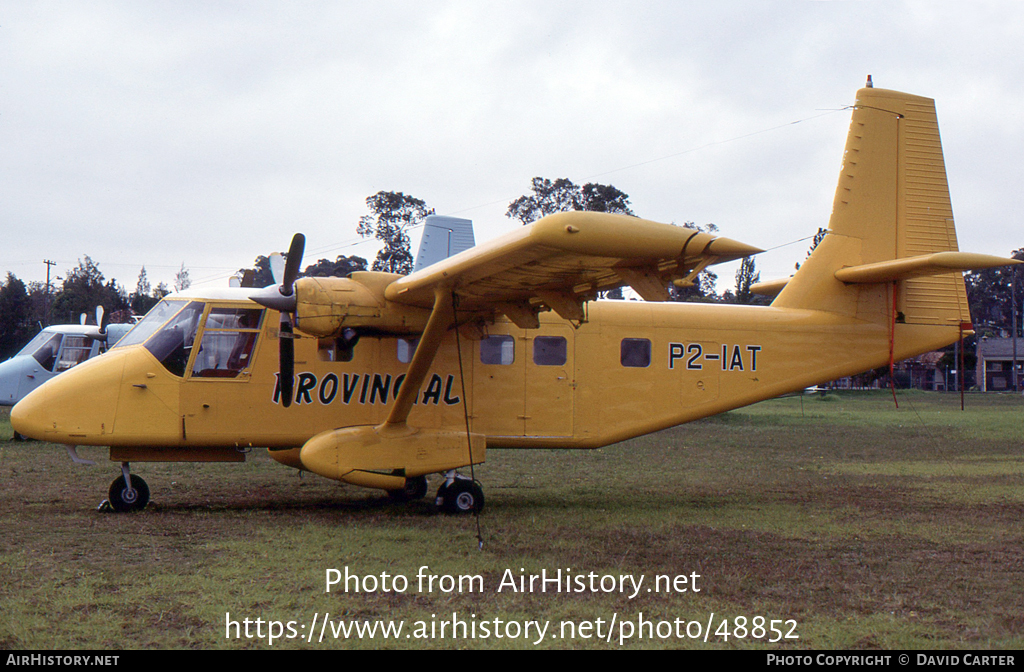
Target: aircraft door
[550,382]
[499,385]
[216,389]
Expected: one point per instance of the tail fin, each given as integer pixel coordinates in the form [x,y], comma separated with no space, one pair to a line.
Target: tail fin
[892,203]
[443,237]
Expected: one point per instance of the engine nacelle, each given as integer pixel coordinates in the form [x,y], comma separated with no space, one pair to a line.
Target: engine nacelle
[326,306]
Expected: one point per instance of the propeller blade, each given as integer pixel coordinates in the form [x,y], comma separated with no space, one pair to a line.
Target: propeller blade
[282,297]
[286,360]
[99,317]
[292,266]
[277,267]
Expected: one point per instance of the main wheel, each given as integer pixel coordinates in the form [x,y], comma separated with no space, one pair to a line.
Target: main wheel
[462,496]
[415,488]
[122,499]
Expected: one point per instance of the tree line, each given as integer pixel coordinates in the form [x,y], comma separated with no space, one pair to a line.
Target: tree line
[26,308]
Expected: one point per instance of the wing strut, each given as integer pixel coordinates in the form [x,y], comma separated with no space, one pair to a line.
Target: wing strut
[440,320]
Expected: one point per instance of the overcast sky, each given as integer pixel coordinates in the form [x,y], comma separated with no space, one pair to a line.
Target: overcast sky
[207,133]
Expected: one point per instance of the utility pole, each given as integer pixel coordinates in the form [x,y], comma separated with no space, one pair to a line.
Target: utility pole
[1013,309]
[46,299]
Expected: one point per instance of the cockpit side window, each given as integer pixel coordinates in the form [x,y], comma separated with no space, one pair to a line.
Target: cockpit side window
[75,351]
[229,340]
[172,344]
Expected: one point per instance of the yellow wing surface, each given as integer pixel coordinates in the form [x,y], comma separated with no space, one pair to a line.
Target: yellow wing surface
[563,260]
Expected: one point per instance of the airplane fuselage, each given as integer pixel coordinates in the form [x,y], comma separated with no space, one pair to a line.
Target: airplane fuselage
[630,369]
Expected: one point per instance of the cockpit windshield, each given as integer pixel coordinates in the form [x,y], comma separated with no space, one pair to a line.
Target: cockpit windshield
[44,348]
[153,320]
[172,344]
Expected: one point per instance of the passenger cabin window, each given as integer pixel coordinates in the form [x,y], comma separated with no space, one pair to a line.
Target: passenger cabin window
[228,342]
[406,349]
[172,344]
[549,351]
[498,350]
[635,352]
[75,351]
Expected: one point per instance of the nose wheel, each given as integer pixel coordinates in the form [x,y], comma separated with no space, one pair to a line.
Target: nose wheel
[128,492]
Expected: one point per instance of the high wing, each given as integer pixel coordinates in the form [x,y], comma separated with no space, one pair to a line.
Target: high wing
[557,263]
[565,259]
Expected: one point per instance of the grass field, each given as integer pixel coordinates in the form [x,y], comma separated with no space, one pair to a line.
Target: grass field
[866,526]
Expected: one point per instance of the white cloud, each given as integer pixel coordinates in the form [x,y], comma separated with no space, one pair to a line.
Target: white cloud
[156,133]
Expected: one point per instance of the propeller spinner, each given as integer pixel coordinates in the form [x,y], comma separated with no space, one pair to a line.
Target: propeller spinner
[281,297]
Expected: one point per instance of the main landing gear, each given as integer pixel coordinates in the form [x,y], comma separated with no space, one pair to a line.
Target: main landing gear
[128,492]
[459,494]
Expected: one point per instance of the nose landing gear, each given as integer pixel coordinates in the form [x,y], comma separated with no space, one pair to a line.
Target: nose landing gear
[128,492]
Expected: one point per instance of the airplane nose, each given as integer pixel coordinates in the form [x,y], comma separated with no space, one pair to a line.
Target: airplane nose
[27,418]
[76,407]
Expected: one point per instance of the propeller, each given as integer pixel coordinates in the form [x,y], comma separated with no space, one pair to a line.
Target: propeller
[97,334]
[277,266]
[281,297]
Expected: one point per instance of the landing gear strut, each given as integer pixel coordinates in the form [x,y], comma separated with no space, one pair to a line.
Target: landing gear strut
[128,492]
[458,495]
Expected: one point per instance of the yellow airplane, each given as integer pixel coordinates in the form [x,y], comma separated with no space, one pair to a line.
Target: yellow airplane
[381,380]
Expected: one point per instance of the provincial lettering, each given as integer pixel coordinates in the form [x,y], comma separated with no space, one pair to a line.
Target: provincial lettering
[328,389]
[433,390]
[307,381]
[448,392]
[348,390]
[365,388]
[381,385]
[362,395]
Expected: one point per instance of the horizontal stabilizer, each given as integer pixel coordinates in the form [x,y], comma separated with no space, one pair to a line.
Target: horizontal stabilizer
[919,266]
[769,287]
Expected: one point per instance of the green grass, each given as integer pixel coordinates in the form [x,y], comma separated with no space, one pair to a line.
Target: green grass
[867,525]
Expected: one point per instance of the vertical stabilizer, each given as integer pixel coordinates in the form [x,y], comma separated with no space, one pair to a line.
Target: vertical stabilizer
[892,202]
[442,238]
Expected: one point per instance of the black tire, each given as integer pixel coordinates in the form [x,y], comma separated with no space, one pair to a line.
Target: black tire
[122,501]
[415,488]
[461,497]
